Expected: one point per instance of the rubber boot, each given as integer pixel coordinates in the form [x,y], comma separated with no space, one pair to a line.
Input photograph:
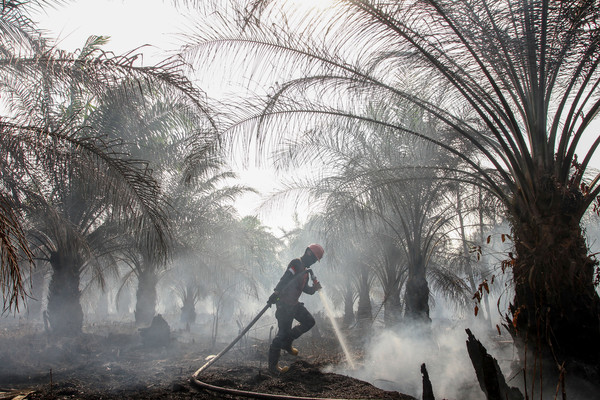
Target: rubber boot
[274,359]
[288,347]
[283,370]
[295,333]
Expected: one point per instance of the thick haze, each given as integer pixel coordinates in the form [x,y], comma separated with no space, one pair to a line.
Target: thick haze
[392,359]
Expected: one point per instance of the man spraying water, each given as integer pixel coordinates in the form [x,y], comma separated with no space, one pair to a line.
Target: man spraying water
[286,294]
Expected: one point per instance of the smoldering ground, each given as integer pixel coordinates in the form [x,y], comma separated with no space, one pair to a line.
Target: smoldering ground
[109,357]
[109,361]
[393,358]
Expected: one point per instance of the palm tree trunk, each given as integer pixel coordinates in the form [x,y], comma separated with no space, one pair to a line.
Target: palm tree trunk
[145,306]
[64,307]
[188,309]
[364,310]
[123,303]
[416,295]
[34,303]
[102,306]
[392,312]
[348,306]
[555,299]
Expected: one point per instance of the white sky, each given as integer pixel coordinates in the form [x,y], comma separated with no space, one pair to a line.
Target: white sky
[130,24]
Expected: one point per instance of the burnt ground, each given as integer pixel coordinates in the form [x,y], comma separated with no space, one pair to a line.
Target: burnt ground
[111,362]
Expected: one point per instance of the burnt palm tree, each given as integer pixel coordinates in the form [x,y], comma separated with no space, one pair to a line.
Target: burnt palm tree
[524,83]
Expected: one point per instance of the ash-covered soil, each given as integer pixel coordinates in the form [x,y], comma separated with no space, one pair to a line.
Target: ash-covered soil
[111,362]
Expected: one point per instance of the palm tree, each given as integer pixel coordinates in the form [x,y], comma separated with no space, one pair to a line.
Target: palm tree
[350,257]
[14,247]
[203,220]
[71,234]
[524,82]
[375,178]
[181,146]
[51,142]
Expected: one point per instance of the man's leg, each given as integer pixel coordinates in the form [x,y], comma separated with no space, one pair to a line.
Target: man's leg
[285,317]
[274,354]
[305,323]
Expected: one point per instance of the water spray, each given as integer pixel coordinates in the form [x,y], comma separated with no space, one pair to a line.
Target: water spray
[336,328]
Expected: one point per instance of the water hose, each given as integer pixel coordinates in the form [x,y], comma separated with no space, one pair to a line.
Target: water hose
[243,393]
[254,395]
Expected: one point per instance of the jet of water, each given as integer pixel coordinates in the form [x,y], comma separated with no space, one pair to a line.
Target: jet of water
[336,328]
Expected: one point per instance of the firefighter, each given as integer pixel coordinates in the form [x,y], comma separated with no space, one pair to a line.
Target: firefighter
[285,296]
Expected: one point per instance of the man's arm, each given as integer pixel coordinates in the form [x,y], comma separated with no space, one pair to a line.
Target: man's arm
[316,286]
[285,280]
[309,289]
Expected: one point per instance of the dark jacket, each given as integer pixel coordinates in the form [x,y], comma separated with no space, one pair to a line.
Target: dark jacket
[293,283]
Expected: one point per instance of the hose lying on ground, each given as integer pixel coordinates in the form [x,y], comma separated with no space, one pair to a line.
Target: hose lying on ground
[254,395]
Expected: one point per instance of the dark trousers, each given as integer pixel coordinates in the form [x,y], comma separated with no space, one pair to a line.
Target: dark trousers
[286,314]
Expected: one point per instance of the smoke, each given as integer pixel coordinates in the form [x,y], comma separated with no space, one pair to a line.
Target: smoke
[393,360]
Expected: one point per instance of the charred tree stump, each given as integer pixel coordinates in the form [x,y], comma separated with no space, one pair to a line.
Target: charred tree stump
[490,377]
[427,388]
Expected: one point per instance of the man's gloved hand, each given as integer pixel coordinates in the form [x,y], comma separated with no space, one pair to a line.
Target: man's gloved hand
[317,285]
[273,298]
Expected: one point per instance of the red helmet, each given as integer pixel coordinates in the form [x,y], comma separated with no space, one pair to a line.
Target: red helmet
[317,250]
